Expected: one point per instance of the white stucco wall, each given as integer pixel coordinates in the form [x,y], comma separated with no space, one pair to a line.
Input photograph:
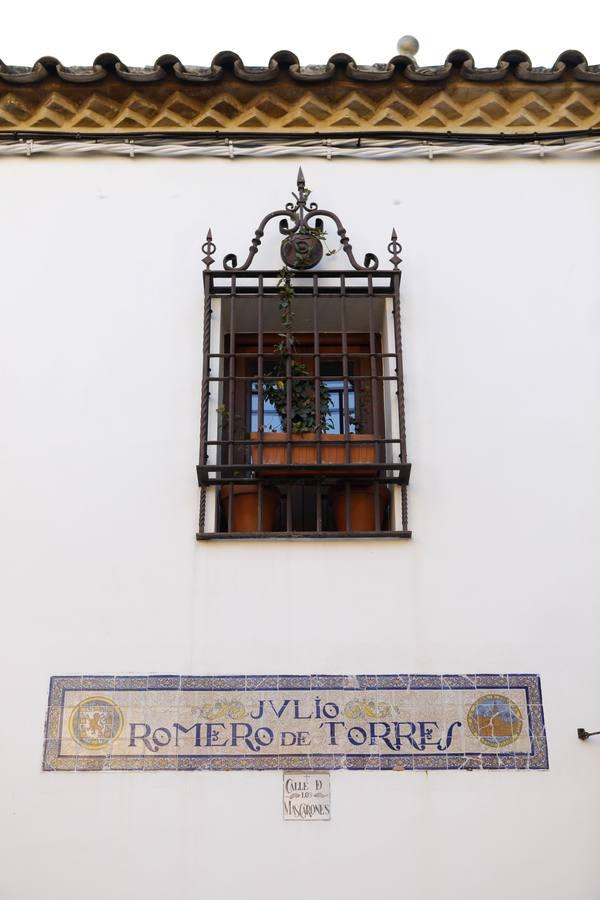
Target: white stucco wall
[100,361]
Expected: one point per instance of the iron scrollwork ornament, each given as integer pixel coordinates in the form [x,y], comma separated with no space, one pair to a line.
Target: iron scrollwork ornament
[301,224]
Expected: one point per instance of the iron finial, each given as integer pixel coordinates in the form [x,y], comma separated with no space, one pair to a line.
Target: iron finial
[300,180]
[208,248]
[394,248]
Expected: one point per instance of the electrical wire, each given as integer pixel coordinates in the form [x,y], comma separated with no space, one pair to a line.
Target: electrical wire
[327,148]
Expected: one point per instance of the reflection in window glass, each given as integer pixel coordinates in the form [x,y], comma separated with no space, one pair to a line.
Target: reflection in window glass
[332,377]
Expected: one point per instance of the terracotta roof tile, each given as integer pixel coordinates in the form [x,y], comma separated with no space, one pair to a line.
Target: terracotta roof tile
[460,62]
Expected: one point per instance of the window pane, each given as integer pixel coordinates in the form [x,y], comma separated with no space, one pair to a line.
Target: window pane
[272,422]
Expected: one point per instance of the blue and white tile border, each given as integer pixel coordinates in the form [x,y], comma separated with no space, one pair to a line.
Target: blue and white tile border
[534,758]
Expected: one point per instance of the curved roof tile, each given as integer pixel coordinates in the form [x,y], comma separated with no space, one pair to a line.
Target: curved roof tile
[459,61]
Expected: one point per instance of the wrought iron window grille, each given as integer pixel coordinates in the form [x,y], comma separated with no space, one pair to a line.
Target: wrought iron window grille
[302,418]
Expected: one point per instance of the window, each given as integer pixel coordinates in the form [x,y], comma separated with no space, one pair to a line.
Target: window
[302,429]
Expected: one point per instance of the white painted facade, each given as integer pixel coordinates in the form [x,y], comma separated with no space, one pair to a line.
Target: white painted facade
[100,354]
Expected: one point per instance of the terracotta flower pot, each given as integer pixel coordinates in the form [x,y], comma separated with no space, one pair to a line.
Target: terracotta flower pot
[245,506]
[362,507]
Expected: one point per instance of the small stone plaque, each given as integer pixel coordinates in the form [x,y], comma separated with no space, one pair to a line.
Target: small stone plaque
[306,797]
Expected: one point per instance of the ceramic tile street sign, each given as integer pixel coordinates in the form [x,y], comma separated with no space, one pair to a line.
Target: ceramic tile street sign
[303,722]
[306,797]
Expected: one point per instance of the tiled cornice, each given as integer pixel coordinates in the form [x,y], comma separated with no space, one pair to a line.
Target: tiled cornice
[283,97]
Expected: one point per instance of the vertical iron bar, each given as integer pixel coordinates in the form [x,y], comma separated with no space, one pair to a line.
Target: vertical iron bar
[260,419]
[400,390]
[375,492]
[317,367]
[374,397]
[347,504]
[317,371]
[345,404]
[373,388]
[260,412]
[231,410]
[202,516]
[319,509]
[205,396]
[288,397]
